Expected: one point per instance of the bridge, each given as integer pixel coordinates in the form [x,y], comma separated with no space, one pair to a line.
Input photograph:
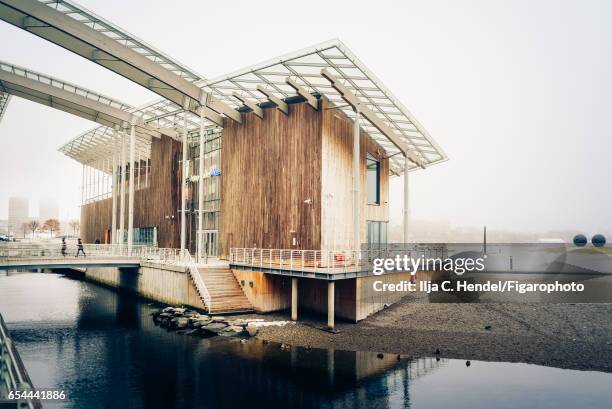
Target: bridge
[49,255]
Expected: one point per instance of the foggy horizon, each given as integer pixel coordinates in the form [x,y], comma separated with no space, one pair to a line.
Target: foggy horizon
[522,114]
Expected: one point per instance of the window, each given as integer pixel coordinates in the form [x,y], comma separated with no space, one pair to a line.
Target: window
[377,234]
[145,236]
[373,179]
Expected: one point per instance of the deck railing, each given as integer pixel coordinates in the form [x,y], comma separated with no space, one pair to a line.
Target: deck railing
[13,376]
[324,260]
[197,280]
[54,250]
[16,251]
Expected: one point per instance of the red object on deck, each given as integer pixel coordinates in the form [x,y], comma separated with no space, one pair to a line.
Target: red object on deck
[340,257]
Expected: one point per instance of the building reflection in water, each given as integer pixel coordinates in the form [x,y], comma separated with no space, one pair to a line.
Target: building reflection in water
[110,354]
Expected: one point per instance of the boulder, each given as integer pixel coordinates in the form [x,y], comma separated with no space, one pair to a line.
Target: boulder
[168,310]
[252,330]
[213,327]
[180,323]
[231,331]
[178,312]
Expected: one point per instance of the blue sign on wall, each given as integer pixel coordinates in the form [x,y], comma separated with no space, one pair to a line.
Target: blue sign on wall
[215,171]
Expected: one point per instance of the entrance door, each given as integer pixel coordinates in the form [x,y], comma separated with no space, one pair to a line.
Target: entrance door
[210,242]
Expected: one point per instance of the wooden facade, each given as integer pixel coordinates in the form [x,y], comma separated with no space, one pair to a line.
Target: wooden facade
[337,182]
[287,183]
[155,206]
[271,181]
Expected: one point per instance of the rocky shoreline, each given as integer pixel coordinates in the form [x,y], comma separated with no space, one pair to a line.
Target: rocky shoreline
[190,322]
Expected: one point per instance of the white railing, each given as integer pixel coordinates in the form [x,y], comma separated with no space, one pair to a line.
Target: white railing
[326,260]
[197,280]
[55,250]
[12,372]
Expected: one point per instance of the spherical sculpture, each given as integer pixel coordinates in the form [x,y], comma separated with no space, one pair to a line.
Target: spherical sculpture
[598,240]
[580,240]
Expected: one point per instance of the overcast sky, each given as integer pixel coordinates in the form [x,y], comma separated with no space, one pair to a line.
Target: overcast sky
[518,93]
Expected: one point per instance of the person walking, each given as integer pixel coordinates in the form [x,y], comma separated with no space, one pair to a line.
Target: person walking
[80,248]
[64,246]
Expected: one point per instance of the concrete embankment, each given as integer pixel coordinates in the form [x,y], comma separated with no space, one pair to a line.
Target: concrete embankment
[168,284]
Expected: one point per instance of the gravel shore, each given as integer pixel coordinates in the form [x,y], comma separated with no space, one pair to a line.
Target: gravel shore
[573,336]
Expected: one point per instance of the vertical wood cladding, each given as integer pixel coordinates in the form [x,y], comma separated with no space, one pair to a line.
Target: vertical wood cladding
[337,182]
[151,205]
[270,167]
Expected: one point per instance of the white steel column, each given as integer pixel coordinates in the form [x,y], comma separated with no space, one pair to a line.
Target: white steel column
[184,179]
[331,287]
[130,234]
[201,188]
[83,186]
[406,196]
[114,191]
[294,299]
[356,182]
[121,237]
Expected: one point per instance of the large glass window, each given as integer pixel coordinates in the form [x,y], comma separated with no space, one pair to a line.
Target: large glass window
[377,234]
[373,179]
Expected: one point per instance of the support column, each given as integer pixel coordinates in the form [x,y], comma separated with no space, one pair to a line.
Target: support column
[294,299]
[82,187]
[356,182]
[184,178]
[406,197]
[330,304]
[114,191]
[130,235]
[201,187]
[122,192]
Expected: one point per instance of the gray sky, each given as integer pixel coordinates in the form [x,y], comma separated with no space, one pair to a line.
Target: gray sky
[518,93]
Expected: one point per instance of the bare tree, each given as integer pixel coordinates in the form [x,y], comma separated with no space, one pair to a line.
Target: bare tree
[75,226]
[33,226]
[51,225]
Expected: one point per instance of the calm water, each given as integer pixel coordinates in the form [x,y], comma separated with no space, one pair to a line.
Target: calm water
[103,350]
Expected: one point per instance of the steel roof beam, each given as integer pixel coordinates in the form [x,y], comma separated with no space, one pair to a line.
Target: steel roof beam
[312,101]
[280,104]
[74,35]
[71,102]
[4,99]
[251,105]
[374,119]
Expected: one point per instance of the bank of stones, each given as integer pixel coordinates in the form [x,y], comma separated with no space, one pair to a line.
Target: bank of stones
[191,322]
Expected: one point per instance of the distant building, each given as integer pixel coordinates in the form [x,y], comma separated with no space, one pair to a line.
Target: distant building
[48,209]
[17,215]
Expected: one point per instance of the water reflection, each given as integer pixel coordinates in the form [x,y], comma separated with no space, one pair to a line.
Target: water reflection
[103,349]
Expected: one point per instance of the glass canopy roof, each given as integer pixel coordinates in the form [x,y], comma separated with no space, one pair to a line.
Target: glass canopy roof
[95,147]
[118,34]
[304,67]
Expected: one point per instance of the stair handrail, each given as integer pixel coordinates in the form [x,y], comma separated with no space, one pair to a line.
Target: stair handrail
[194,273]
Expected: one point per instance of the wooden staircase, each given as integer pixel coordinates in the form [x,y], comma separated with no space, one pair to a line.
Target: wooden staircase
[225,292]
